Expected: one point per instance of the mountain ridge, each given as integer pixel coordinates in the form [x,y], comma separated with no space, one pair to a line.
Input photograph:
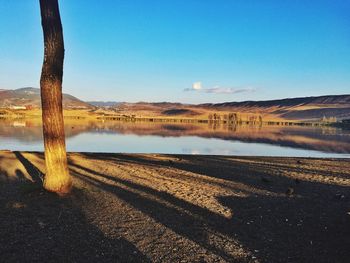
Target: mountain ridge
[30,97]
[294,99]
[299,108]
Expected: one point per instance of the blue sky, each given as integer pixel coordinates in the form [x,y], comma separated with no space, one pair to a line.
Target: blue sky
[190,51]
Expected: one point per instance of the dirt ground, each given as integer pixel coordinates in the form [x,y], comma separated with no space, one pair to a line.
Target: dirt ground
[176,208]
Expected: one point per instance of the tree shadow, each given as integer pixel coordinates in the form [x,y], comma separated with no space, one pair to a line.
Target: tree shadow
[228,168]
[185,219]
[291,229]
[34,172]
[37,226]
[310,226]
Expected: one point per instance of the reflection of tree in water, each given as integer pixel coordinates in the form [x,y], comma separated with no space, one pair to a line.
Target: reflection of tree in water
[310,138]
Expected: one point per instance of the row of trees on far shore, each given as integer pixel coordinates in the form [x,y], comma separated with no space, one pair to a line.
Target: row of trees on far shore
[234,118]
[329,119]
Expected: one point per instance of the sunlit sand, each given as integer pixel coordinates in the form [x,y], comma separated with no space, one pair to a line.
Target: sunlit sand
[178,207]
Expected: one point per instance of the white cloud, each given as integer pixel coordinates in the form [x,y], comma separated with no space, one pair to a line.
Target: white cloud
[219,90]
[197,86]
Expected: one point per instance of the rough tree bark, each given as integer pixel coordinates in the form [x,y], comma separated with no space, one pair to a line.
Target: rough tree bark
[57,178]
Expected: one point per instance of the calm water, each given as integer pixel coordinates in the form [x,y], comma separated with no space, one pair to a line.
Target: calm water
[182,139]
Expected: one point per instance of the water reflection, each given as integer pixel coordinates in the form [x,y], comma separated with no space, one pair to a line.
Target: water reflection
[21,134]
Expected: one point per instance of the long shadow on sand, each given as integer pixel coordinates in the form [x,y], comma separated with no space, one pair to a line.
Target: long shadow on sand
[37,226]
[311,226]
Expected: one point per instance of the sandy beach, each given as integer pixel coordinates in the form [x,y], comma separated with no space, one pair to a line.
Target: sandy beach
[176,208]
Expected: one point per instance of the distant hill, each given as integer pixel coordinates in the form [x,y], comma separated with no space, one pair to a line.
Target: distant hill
[31,97]
[305,108]
[301,109]
[290,102]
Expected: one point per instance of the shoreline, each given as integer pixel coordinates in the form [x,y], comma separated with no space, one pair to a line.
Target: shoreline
[182,120]
[177,208]
[130,116]
[179,155]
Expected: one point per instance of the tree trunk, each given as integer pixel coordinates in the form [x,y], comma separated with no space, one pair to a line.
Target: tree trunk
[57,178]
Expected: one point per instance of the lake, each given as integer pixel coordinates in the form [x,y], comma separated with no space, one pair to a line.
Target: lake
[172,138]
